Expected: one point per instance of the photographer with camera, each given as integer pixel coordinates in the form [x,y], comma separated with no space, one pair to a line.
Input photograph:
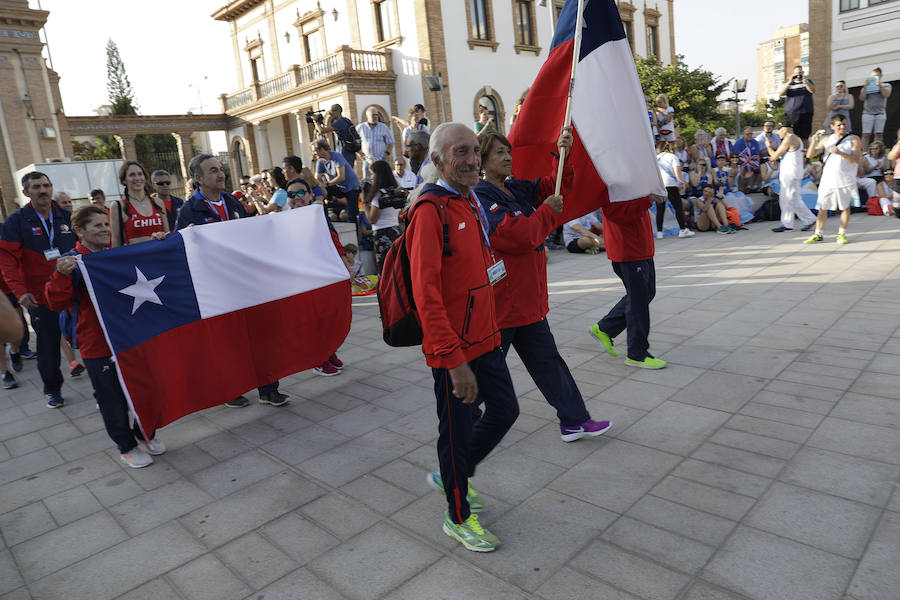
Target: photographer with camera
[339,178]
[382,204]
[798,106]
[348,141]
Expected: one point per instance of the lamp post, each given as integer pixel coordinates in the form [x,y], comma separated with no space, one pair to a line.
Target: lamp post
[436,83]
[738,86]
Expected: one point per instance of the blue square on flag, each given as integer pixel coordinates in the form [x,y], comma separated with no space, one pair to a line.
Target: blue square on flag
[148,293]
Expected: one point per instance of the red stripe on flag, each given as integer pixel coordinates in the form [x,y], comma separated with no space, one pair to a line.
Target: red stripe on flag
[211,361]
[537,129]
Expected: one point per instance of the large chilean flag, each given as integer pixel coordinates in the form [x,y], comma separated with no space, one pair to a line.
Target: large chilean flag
[613,154]
[214,311]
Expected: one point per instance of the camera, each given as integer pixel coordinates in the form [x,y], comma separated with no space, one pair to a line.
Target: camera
[315,117]
[391,198]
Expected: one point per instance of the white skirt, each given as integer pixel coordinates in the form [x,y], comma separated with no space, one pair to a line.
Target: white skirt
[837,198]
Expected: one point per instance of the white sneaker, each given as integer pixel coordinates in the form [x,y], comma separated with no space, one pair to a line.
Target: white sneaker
[659,235]
[136,458]
[153,447]
[685,233]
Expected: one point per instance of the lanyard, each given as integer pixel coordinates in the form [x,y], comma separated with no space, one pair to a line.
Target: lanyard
[480,215]
[212,206]
[49,228]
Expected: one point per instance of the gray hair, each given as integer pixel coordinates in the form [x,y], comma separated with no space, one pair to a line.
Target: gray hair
[436,143]
[60,194]
[160,172]
[721,130]
[195,168]
[419,137]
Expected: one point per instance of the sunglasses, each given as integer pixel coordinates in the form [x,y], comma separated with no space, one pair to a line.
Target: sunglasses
[297,194]
[161,183]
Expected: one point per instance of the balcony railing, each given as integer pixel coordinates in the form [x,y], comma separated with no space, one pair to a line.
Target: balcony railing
[345,60]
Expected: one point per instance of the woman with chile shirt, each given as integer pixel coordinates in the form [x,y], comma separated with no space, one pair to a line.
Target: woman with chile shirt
[91,225]
[137,217]
[520,215]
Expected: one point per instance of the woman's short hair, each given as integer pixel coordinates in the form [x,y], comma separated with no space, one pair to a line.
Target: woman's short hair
[487,141]
[83,215]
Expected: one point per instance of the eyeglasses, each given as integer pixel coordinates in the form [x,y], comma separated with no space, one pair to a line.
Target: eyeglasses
[297,194]
[162,183]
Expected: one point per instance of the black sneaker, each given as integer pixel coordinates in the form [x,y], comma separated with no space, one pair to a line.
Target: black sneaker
[16,359]
[55,401]
[239,402]
[9,382]
[274,398]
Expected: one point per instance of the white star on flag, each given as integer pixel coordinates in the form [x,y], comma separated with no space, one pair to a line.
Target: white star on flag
[142,290]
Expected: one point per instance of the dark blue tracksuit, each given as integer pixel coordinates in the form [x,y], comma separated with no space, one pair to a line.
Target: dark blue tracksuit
[632,312]
[196,211]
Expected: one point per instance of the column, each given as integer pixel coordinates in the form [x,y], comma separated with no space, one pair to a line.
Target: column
[126,146]
[288,138]
[262,145]
[252,155]
[305,142]
[185,153]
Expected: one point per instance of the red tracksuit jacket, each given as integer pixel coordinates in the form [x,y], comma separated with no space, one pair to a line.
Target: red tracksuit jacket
[453,295]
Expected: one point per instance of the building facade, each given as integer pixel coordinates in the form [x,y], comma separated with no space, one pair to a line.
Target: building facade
[33,126]
[852,37]
[776,59]
[298,56]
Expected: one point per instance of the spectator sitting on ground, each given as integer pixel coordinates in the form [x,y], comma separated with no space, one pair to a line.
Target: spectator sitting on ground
[749,150]
[768,134]
[874,162]
[700,176]
[721,172]
[702,149]
[584,235]
[405,178]
[813,170]
[711,211]
[721,145]
[888,197]
[682,154]
[351,251]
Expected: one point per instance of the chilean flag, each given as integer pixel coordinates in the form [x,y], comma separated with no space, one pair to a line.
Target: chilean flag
[214,311]
[613,154]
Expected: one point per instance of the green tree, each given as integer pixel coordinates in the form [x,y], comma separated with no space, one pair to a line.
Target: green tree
[118,87]
[693,93]
[762,111]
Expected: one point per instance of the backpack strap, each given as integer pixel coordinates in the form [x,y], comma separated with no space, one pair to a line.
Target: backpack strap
[406,216]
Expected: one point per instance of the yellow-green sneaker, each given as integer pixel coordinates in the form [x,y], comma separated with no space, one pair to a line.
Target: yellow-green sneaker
[841,238]
[648,363]
[604,339]
[471,534]
[476,504]
[814,238]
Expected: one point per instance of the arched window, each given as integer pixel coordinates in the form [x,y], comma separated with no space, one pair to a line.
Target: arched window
[240,157]
[488,98]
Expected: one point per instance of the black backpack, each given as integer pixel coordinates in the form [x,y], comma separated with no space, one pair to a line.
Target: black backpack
[352,143]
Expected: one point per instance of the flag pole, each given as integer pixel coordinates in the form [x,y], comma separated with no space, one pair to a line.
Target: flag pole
[567,121]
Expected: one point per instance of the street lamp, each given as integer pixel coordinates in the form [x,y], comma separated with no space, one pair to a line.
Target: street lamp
[738,86]
[437,84]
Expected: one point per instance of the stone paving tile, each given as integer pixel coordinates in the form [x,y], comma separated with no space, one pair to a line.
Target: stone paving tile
[789,416]
[762,565]
[722,477]
[153,508]
[678,518]
[42,555]
[301,579]
[836,525]
[119,570]
[562,524]
[235,473]
[72,505]
[637,394]
[877,576]
[294,537]
[358,456]
[513,477]
[842,475]
[467,583]
[874,410]
[704,591]
[720,391]
[256,561]
[751,462]
[114,488]
[29,464]
[858,439]
[158,589]
[675,427]
[339,516]
[10,579]
[756,362]
[25,444]
[630,572]
[391,558]
[703,497]
[769,428]
[669,548]
[377,494]
[752,442]
[616,477]
[25,523]
[52,481]
[206,578]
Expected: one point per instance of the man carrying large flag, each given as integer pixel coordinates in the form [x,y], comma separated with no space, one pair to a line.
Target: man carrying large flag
[613,155]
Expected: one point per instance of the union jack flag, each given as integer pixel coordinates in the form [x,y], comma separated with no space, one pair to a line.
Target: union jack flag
[749,161]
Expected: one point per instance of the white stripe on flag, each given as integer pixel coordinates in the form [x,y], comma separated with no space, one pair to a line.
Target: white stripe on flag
[610,115]
[248,262]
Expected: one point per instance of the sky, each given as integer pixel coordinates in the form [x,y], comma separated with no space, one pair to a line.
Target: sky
[179,59]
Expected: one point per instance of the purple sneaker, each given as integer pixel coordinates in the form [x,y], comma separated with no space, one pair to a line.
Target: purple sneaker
[589,427]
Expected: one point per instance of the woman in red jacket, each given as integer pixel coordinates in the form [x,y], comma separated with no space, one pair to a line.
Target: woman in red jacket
[520,215]
[91,225]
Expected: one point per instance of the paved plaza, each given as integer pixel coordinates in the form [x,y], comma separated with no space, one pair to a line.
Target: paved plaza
[762,464]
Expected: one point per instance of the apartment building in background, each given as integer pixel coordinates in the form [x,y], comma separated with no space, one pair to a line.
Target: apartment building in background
[776,59]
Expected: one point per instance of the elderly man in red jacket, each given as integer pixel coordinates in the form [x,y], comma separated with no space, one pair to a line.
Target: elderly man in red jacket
[452,287]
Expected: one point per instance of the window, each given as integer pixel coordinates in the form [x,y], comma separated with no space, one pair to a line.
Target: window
[254,49]
[480,24]
[850,5]
[386,23]
[557,7]
[312,46]
[487,98]
[258,69]
[525,26]
[478,20]
[652,41]
[629,33]
[626,13]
